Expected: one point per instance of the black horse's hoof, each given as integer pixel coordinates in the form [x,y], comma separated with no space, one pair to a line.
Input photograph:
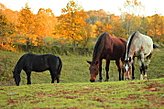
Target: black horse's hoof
[133,78]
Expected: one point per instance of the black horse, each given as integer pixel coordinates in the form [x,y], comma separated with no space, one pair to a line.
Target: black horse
[38,63]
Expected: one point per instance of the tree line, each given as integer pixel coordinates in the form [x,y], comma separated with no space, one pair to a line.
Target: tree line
[73,28]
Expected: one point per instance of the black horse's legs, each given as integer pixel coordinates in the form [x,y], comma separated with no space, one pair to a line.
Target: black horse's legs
[100,71]
[119,68]
[107,70]
[28,73]
[57,79]
[52,76]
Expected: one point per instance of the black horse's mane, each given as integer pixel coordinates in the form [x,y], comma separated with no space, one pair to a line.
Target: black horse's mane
[99,46]
[20,63]
[130,41]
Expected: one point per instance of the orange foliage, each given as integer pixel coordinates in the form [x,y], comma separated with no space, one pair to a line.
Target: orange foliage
[72,22]
[74,26]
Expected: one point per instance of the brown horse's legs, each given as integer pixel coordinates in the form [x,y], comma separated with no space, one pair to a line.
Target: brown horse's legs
[119,68]
[107,69]
[100,71]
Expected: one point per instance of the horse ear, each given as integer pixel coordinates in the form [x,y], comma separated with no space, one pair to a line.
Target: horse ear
[122,59]
[89,62]
[130,59]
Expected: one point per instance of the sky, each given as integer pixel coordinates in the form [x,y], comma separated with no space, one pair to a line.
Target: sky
[151,7]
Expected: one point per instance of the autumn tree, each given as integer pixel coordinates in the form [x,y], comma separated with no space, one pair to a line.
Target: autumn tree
[45,21]
[156,27]
[72,23]
[26,26]
[102,27]
[6,30]
[100,21]
[144,25]
[132,9]
[117,26]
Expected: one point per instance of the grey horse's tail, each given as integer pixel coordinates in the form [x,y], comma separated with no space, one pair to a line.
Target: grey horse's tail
[155,46]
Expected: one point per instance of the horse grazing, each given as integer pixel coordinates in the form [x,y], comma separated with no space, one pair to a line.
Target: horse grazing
[109,48]
[31,62]
[140,46]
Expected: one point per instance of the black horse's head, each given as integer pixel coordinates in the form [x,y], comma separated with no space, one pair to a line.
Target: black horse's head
[16,77]
[94,69]
[127,68]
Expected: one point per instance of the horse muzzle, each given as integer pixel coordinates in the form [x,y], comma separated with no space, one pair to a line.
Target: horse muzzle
[92,80]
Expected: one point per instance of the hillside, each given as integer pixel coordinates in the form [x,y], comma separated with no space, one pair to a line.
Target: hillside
[106,95]
[76,92]
[75,69]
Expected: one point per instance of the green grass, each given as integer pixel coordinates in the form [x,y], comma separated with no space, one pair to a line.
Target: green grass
[105,95]
[76,92]
[75,69]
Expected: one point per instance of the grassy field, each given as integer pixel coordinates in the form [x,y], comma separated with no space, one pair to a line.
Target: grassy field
[106,95]
[76,92]
[75,69]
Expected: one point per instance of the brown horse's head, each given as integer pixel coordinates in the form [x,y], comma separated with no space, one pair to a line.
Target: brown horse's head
[127,69]
[94,70]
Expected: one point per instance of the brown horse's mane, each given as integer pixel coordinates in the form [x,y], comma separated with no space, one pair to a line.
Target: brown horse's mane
[99,46]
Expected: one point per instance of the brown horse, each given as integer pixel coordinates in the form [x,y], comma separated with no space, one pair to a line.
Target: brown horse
[109,48]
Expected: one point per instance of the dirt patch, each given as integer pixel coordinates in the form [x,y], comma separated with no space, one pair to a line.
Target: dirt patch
[1,89]
[154,86]
[72,108]
[71,97]
[51,95]
[12,101]
[40,94]
[99,99]
[130,97]
[36,101]
[157,102]
[41,108]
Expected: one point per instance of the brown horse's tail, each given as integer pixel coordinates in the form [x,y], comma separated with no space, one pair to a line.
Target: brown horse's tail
[60,66]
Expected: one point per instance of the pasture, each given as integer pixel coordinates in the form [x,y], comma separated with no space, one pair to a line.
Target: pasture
[76,92]
[75,69]
[106,95]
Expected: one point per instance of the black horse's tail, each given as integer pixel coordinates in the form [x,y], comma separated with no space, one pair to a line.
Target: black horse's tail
[155,46]
[60,66]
